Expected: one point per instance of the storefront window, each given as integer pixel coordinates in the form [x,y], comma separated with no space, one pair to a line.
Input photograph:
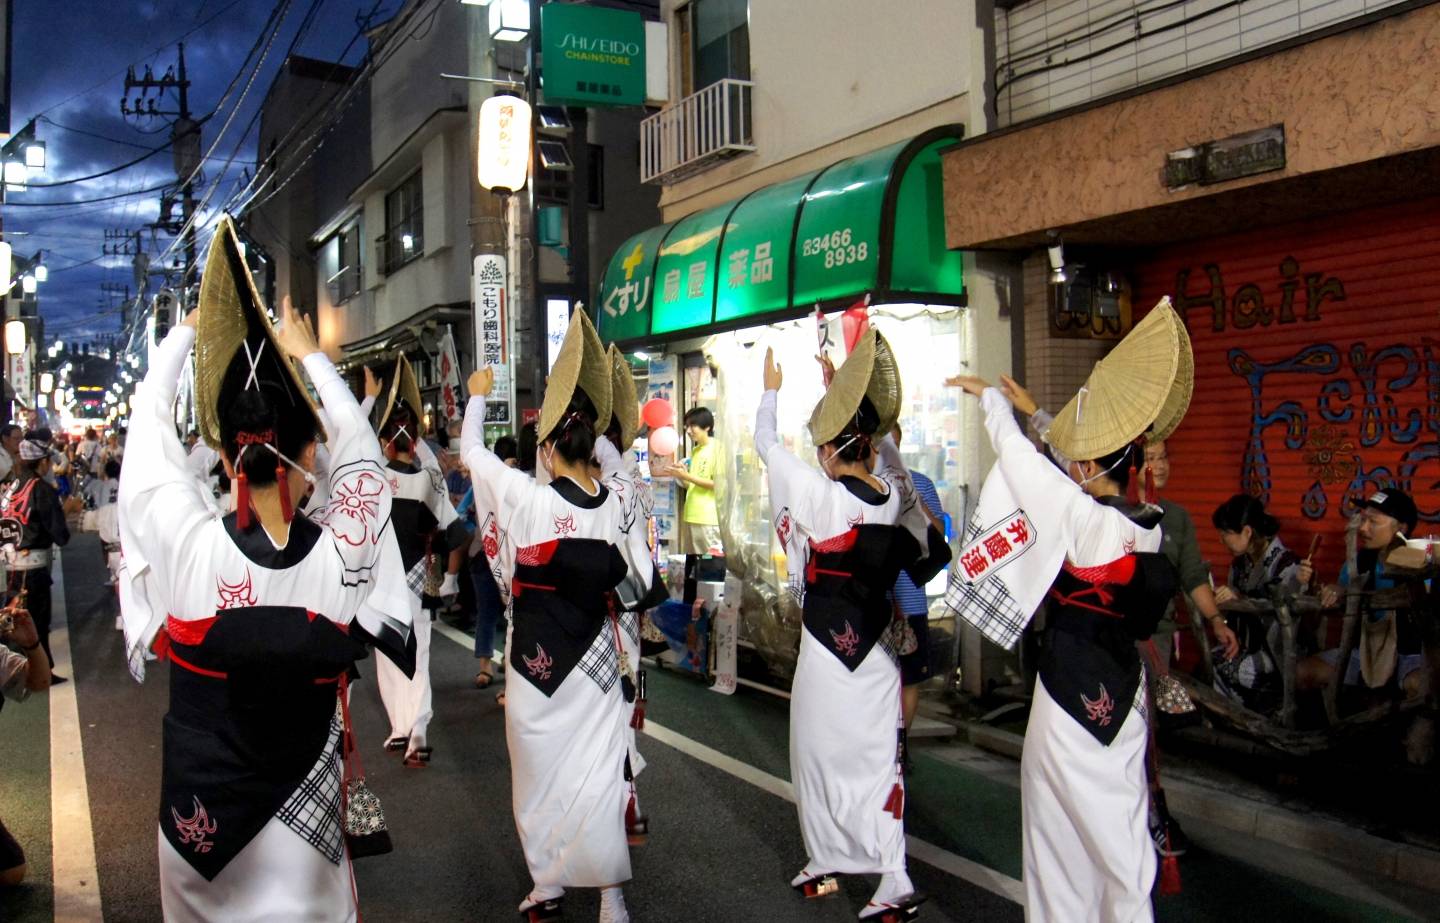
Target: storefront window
[928,344]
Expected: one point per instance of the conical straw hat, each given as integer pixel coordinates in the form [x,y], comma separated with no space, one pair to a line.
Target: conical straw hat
[1126,391]
[405,390]
[869,371]
[1178,401]
[582,364]
[231,314]
[623,397]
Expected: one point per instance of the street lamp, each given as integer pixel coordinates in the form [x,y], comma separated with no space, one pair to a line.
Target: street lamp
[509,20]
[42,273]
[47,381]
[28,283]
[15,337]
[35,155]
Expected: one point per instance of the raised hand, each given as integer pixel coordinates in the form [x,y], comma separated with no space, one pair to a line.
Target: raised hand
[774,377]
[1018,395]
[372,384]
[481,382]
[827,368]
[296,336]
[973,384]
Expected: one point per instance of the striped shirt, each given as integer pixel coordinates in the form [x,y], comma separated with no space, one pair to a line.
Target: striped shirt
[911,597]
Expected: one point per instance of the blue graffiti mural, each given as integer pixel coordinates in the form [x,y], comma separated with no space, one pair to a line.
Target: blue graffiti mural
[1378,377]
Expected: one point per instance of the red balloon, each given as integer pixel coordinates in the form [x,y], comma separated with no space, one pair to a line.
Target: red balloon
[658,412]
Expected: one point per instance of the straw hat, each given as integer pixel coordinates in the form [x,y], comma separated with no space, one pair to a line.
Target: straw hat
[1172,412]
[625,400]
[582,364]
[230,316]
[869,371]
[404,390]
[1129,390]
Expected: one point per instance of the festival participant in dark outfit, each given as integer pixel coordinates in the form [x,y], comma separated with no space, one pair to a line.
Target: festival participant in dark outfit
[262,613]
[32,524]
[1083,780]
[427,528]
[847,533]
[570,557]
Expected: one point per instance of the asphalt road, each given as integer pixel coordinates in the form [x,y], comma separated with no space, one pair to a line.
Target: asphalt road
[724,841]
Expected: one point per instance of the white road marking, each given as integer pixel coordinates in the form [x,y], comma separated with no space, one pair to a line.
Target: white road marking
[981,876]
[77,880]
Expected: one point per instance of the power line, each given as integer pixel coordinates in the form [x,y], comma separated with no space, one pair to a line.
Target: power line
[105,198]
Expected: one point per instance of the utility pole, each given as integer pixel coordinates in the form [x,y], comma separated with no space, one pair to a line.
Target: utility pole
[184,133]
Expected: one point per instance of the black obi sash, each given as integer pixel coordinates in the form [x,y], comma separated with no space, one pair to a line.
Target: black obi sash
[847,579]
[1089,663]
[562,591]
[251,702]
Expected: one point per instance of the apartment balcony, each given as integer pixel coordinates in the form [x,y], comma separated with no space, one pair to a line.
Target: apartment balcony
[700,130]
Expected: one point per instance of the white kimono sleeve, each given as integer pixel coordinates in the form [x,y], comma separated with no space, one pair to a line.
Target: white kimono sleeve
[792,486]
[165,520]
[357,516]
[499,491]
[892,471]
[633,541]
[439,503]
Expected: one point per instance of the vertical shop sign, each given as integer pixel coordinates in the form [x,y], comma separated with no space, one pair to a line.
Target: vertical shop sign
[664,376]
[490,325]
[20,377]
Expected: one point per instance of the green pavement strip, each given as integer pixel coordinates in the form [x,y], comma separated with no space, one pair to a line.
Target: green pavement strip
[25,806]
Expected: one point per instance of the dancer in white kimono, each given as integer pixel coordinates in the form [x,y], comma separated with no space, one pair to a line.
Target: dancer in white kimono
[1084,795]
[262,614]
[567,567]
[426,527]
[847,534]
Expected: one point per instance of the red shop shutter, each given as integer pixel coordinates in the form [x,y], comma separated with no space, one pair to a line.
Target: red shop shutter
[1317,354]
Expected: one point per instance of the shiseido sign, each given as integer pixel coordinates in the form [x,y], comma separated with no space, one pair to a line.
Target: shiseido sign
[593,56]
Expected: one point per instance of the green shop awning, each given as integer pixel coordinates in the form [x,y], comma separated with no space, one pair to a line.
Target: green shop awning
[872,224]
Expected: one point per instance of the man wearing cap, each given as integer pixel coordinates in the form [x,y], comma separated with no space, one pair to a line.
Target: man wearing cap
[32,523]
[1390,647]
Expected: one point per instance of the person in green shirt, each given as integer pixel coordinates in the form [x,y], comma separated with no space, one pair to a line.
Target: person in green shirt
[701,517]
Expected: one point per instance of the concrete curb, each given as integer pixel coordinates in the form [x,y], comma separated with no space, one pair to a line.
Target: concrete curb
[1366,854]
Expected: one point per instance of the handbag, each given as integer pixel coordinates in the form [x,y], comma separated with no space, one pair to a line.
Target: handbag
[1171,697]
[362,816]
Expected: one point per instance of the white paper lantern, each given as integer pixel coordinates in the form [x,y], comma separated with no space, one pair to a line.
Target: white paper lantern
[503,157]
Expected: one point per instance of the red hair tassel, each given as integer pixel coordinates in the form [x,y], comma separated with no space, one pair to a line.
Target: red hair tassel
[242,498]
[282,482]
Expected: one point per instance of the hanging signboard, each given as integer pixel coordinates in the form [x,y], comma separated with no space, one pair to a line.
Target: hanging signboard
[452,397]
[490,325]
[593,55]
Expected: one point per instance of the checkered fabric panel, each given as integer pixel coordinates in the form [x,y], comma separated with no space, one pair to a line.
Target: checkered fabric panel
[313,809]
[415,579]
[600,662]
[987,605]
[630,624]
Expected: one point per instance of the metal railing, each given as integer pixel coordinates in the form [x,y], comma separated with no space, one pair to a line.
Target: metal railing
[704,127]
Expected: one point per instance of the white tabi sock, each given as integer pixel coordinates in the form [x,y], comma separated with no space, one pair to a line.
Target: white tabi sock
[612,906]
[895,888]
[807,873]
[539,895]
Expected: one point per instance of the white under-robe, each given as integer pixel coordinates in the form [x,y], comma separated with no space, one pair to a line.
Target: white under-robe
[179,562]
[1087,849]
[843,724]
[567,750]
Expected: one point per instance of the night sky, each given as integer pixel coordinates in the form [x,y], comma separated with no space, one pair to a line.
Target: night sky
[69,67]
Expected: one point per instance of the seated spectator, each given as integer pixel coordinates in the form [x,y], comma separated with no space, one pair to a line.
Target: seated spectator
[1390,648]
[1261,561]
